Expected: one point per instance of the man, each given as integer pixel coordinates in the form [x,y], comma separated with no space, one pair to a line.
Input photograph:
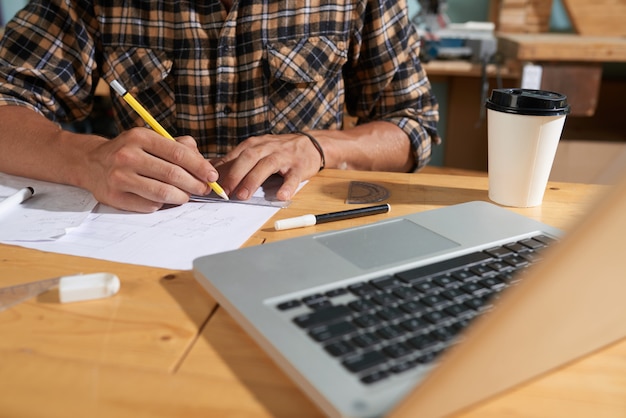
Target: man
[259,87]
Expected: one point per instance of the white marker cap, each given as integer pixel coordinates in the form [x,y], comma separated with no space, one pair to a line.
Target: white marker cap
[88,287]
[297,222]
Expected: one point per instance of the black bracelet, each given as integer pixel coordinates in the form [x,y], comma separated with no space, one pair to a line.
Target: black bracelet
[316,145]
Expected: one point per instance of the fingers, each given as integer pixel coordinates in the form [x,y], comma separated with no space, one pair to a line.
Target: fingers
[244,169]
[187,157]
[288,188]
[141,171]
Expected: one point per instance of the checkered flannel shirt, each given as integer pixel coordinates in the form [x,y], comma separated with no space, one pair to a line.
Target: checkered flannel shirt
[266,67]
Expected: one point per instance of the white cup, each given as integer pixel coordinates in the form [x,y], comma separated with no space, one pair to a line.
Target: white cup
[524,128]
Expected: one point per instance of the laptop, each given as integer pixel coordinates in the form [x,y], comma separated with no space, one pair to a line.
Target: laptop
[429,313]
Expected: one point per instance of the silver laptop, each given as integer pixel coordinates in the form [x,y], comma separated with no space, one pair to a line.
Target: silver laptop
[419,314]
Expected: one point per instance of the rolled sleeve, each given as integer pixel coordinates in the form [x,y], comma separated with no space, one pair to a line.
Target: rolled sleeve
[386,81]
[46,67]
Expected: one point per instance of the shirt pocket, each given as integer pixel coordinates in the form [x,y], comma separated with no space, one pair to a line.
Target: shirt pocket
[305,84]
[144,73]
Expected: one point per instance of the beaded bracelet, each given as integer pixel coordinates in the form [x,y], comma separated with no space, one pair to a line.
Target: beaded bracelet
[316,145]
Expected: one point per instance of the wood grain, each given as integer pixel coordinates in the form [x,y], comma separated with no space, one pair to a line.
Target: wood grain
[160,348]
[598,17]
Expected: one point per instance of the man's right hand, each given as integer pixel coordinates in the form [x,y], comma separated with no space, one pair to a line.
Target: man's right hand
[141,171]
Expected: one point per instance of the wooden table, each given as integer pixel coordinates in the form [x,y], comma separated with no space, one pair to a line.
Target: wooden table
[162,348]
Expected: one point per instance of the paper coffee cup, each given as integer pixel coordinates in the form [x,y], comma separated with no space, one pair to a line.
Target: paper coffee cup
[524,128]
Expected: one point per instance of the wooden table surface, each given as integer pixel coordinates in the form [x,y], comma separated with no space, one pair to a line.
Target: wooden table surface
[162,348]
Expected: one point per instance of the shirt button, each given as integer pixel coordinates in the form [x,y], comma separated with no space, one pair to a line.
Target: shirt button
[227,110]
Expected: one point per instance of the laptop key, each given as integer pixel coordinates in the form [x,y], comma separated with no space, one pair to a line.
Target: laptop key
[453,294]
[361,305]
[499,252]
[463,275]
[475,303]
[532,256]
[544,239]
[473,288]
[492,282]
[362,289]
[436,317]
[319,304]
[328,332]
[517,247]
[443,334]
[336,292]
[389,312]
[412,307]
[515,261]
[414,324]
[390,332]
[290,304]
[397,350]
[425,286]
[532,243]
[385,283]
[481,270]
[313,298]
[404,366]
[433,300]
[442,266]
[366,339]
[405,292]
[339,348]
[322,316]
[444,280]
[367,320]
[422,342]
[499,265]
[375,377]
[364,361]
[385,299]
[456,310]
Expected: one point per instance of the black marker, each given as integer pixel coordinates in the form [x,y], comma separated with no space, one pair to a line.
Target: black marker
[308,220]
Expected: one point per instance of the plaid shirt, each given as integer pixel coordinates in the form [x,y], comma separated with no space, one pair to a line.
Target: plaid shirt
[266,67]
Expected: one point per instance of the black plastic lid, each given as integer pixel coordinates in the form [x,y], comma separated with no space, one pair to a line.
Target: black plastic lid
[528,102]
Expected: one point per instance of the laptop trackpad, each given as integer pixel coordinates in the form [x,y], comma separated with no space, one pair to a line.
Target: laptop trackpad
[387,243]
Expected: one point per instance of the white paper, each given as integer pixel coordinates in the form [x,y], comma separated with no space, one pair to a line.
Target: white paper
[170,238]
[53,209]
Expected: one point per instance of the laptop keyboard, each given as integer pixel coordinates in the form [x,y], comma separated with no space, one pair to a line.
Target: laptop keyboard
[388,325]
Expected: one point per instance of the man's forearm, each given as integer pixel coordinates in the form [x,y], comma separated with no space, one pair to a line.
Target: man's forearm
[35,147]
[379,146]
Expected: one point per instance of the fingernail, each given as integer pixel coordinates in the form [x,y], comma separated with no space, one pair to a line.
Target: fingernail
[243,194]
[213,176]
[283,195]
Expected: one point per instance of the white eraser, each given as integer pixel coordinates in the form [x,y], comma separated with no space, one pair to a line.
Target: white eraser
[297,222]
[88,287]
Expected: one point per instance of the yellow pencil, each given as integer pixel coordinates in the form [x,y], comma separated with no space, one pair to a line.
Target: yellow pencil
[147,117]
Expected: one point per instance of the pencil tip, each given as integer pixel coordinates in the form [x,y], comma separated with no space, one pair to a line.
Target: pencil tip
[222,194]
[219,191]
